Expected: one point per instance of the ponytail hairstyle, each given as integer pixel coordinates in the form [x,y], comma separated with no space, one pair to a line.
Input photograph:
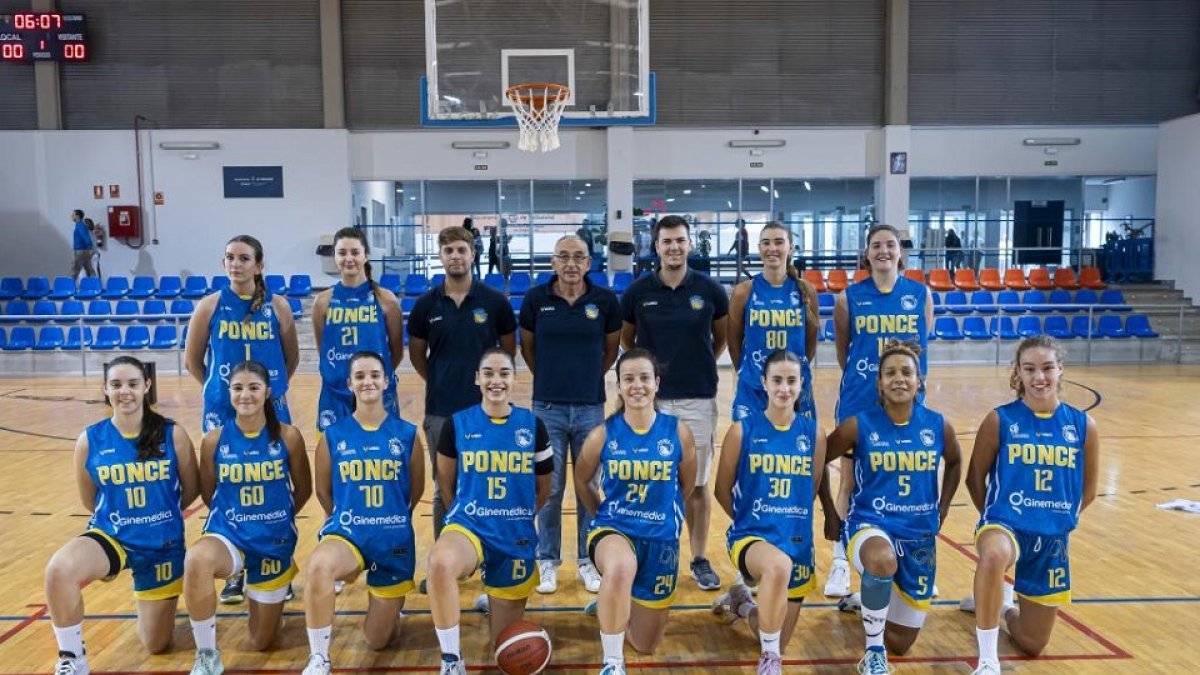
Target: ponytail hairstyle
[356,233]
[631,355]
[154,425]
[260,371]
[260,286]
[895,347]
[864,259]
[1045,341]
[498,350]
[784,356]
[791,269]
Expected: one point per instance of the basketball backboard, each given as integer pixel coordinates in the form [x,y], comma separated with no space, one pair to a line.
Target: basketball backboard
[475,49]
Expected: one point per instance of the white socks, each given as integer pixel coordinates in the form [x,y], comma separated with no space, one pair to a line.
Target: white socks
[769,642]
[987,644]
[319,639]
[614,646]
[70,639]
[205,633]
[448,640]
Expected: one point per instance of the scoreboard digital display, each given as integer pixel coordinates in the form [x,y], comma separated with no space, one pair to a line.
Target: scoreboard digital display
[43,36]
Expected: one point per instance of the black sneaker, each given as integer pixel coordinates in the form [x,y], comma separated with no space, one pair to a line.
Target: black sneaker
[704,575]
[423,588]
[234,592]
[291,594]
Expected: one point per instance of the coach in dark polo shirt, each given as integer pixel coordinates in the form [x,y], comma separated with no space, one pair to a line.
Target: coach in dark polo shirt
[449,328]
[680,316]
[570,331]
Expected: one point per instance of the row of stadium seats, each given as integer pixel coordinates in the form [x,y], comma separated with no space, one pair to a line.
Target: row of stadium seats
[519,283]
[965,280]
[103,311]
[141,288]
[975,328]
[50,338]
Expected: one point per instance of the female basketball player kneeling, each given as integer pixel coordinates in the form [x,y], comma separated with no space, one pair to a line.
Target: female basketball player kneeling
[369,478]
[1033,470]
[254,477]
[496,460]
[136,472]
[647,464]
[766,483]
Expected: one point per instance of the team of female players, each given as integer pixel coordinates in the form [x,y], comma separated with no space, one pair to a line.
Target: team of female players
[1033,469]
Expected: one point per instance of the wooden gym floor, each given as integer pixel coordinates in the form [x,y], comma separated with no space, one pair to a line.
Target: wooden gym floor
[1136,592]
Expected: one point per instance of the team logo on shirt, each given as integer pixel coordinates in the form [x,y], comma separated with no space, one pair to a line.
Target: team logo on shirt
[873,439]
[225,452]
[612,448]
[591,311]
[696,302]
[395,447]
[327,417]
[212,420]
[927,437]
[341,448]
[480,315]
[267,311]
[908,302]
[802,443]
[1014,430]
[273,448]
[524,437]
[1069,434]
[666,447]
[795,297]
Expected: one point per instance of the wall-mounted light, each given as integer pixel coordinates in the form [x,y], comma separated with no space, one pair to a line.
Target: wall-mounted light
[759,143]
[480,145]
[1041,142]
[189,145]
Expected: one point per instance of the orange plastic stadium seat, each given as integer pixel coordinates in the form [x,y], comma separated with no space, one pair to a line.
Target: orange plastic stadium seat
[939,280]
[814,277]
[1039,278]
[837,281]
[1064,278]
[965,280]
[1014,278]
[1089,277]
[859,275]
[916,275]
[989,278]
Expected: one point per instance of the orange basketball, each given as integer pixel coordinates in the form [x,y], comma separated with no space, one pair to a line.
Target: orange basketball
[523,648]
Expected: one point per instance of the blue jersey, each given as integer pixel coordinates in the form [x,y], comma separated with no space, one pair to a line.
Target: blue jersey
[775,318]
[137,502]
[354,322]
[896,472]
[1036,483]
[773,487]
[232,340]
[639,474]
[873,317]
[253,499]
[370,472]
[496,490]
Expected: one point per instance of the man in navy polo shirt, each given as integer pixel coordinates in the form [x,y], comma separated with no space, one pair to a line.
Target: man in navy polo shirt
[449,328]
[570,331]
[680,316]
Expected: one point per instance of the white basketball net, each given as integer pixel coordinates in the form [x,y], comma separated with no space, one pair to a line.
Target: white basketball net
[538,108]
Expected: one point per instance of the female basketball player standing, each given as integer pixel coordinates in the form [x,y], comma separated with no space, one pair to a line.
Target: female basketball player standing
[896,507]
[1034,469]
[354,314]
[496,460]
[369,478]
[773,310]
[884,305]
[136,472]
[771,462]
[254,477]
[647,464]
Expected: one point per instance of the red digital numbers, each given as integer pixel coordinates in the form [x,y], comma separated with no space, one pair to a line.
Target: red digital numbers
[37,21]
[12,51]
[75,52]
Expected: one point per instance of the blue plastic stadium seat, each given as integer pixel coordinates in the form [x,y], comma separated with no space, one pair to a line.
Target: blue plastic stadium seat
[107,337]
[115,288]
[938,308]
[14,309]
[219,282]
[437,280]
[299,286]
[276,283]
[142,288]
[49,339]
[1113,300]
[62,289]
[1057,327]
[1035,301]
[543,278]
[195,287]
[1063,299]
[1005,327]
[956,302]
[825,302]
[182,306]
[89,289]
[973,328]
[495,280]
[515,301]
[20,339]
[73,340]
[519,283]
[1138,325]
[983,302]
[154,310]
[99,311]
[598,279]
[407,304]
[11,288]
[127,311]
[417,284]
[1028,326]
[36,288]
[1081,326]
[946,328]
[296,306]
[827,330]
[169,287]
[392,283]
[165,337]
[1110,327]
[136,337]
[1086,296]
[3,338]
[1010,301]
[44,311]
[70,311]
[621,281]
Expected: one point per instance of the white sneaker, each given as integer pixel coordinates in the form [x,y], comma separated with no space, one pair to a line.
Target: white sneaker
[987,668]
[317,665]
[482,604]
[1007,599]
[208,662]
[838,583]
[338,586]
[613,668]
[72,665]
[936,592]
[967,604]
[590,577]
[452,665]
[874,662]
[742,580]
[850,603]
[548,575]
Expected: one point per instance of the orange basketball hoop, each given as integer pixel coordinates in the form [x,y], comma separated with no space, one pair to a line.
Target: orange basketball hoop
[538,107]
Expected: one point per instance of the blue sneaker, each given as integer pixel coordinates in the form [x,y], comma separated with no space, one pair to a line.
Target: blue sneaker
[590,610]
[874,662]
[452,665]
[613,668]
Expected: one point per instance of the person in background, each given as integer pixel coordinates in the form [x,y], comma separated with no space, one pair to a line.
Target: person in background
[953,250]
[470,225]
[83,245]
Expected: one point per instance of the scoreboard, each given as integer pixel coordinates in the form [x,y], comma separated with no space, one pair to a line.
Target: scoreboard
[43,36]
